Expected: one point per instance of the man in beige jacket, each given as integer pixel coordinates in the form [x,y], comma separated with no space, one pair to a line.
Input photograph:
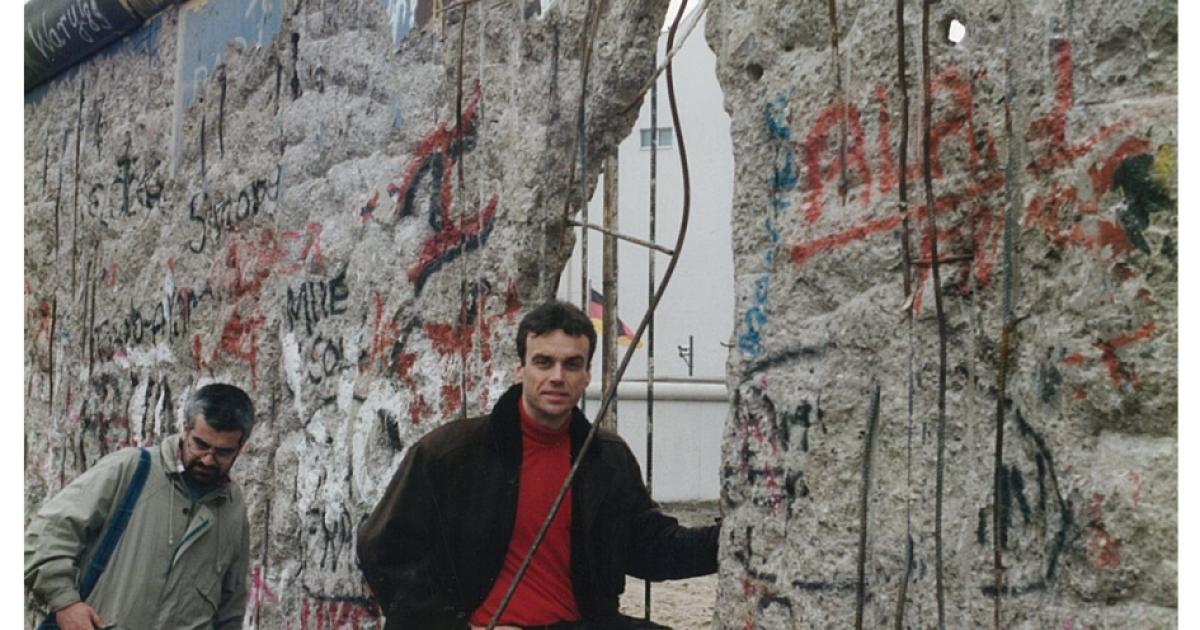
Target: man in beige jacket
[181,562]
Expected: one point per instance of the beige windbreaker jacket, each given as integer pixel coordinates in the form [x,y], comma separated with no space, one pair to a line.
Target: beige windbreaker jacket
[181,564]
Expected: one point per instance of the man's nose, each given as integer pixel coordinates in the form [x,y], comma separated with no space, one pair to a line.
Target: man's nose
[208,458]
[556,372]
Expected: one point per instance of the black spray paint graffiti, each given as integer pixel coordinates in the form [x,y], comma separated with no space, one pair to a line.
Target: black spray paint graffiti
[216,213]
[315,300]
[1045,520]
[102,408]
[320,611]
[137,187]
[429,170]
[765,438]
[770,605]
[1144,194]
[308,304]
[167,319]
[109,413]
[325,357]
[391,429]
[336,540]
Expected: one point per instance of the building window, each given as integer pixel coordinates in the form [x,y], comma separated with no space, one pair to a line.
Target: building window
[666,137]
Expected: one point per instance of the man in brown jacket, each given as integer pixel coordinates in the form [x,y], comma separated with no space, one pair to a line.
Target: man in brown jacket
[445,542]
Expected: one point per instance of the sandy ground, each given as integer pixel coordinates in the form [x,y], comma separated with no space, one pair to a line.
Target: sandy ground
[680,604]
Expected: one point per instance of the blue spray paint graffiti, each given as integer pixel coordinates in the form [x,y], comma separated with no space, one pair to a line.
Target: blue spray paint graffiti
[783,179]
[208,28]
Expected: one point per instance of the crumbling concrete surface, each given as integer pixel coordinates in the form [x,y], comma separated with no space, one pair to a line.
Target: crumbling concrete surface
[342,207]
[852,498]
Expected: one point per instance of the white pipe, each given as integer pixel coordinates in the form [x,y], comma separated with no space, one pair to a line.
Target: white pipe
[695,391]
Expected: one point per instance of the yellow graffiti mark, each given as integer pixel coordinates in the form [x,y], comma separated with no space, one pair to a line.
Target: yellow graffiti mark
[1164,165]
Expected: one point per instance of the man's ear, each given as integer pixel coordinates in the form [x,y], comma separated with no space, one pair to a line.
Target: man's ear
[519,372]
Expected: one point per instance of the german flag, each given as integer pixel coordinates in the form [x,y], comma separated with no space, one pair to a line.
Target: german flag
[596,312]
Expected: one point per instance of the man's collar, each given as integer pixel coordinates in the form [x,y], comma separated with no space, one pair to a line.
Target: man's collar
[169,451]
[172,459]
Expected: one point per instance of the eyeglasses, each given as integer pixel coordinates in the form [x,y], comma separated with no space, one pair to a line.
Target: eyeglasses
[202,448]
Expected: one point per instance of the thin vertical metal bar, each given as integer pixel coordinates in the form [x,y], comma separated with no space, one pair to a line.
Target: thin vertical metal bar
[460,195]
[902,175]
[935,273]
[843,106]
[864,503]
[1009,325]
[53,326]
[609,356]
[650,295]
[585,289]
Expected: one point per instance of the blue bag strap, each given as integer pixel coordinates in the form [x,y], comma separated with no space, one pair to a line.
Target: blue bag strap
[116,527]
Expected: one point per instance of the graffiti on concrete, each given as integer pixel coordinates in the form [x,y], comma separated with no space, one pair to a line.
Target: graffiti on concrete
[783,179]
[426,187]
[136,188]
[1067,215]
[314,300]
[769,443]
[338,612]
[1037,522]
[465,344]
[82,19]
[216,212]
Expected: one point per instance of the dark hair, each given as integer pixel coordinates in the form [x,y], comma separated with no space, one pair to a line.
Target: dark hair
[556,315]
[225,408]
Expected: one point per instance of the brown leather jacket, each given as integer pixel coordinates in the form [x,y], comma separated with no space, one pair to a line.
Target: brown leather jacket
[435,543]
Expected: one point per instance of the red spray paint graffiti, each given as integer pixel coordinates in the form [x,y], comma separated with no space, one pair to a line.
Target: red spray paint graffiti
[457,341]
[1065,214]
[433,164]
[1052,155]
[1104,550]
[387,351]
[815,146]
[1136,481]
[260,591]
[322,612]
[1120,371]
[109,277]
[247,265]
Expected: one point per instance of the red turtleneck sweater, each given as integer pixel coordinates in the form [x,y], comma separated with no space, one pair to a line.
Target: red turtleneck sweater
[544,595]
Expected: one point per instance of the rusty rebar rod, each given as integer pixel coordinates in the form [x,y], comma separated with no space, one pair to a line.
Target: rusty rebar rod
[625,237]
[935,272]
[1005,345]
[906,273]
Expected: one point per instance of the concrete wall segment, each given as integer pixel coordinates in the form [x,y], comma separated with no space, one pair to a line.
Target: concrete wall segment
[299,228]
[821,313]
